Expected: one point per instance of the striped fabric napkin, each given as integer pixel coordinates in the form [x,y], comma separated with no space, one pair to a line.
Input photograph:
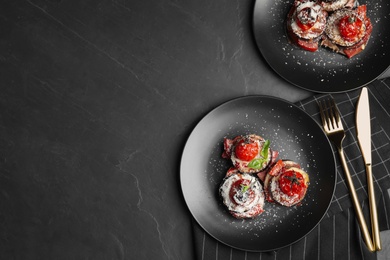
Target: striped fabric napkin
[337,236]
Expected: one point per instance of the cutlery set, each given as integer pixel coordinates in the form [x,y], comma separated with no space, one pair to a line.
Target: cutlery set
[333,127]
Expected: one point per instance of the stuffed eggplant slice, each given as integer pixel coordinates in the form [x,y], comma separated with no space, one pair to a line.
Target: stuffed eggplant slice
[348,31]
[286,183]
[306,23]
[249,153]
[242,194]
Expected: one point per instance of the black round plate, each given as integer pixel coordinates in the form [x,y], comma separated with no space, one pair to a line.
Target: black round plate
[323,71]
[294,134]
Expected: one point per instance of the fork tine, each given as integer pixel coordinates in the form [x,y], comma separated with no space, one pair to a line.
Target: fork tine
[322,113]
[336,114]
[329,114]
[332,114]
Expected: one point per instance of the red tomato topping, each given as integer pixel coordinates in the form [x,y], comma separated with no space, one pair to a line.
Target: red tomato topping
[304,26]
[308,45]
[349,27]
[303,19]
[362,10]
[242,186]
[276,168]
[246,151]
[291,183]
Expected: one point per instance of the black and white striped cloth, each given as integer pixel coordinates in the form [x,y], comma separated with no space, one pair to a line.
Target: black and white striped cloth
[337,236]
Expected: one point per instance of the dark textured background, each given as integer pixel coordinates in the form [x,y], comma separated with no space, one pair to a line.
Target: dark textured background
[97,100]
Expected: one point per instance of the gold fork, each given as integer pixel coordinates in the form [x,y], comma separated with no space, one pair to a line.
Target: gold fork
[334,129]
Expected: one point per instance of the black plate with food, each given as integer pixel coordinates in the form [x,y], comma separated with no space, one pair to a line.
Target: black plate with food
[322,71]
[294,134]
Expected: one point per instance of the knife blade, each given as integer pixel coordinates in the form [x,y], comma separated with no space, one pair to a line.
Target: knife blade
[363,128]
[363,125]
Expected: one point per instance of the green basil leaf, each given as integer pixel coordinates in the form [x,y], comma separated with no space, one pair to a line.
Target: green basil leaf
[256,163]
[264,150]
[244,188]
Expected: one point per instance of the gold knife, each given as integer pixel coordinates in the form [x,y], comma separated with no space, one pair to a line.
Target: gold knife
[363,127]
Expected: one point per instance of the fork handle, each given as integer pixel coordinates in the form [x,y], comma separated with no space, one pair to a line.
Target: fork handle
[373,210]
[356,204]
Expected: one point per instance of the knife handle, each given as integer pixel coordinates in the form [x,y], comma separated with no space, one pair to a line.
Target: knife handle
[356,204]
[373,212]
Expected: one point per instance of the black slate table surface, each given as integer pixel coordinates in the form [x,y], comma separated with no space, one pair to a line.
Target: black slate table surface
[97,100]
